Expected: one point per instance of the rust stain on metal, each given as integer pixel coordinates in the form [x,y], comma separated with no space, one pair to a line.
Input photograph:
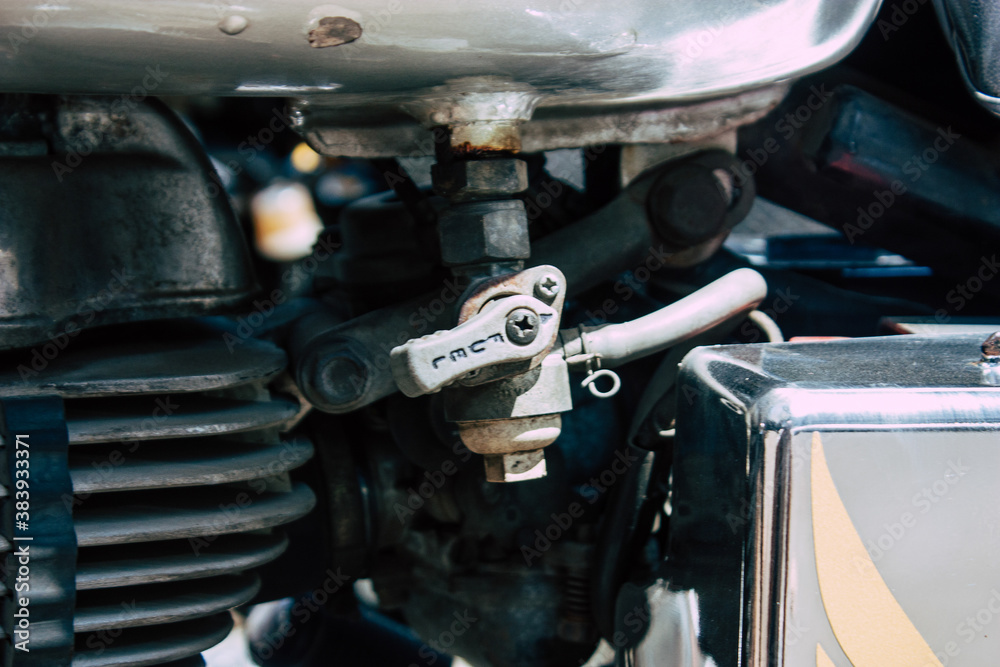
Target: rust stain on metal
[334,31]
[991,347]
[511,284]
[466,151]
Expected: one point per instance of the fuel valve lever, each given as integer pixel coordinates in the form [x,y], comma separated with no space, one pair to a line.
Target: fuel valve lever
[505,368]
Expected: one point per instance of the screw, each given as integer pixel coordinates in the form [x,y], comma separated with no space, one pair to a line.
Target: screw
[547,287]
[522,326]
[991,347]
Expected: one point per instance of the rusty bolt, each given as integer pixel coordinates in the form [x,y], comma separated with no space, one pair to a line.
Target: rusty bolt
[547,287]
[522,326]
[991,348]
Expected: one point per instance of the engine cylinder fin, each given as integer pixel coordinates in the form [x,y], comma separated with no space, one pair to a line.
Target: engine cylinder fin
[145,418]
[187,362]
[149,516]
[156,604]
[138,647]
[179,472]
[181,463]
[158,562]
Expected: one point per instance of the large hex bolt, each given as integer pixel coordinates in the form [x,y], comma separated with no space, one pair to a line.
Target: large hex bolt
[339,377]
[334,376]
[482,232]
[697,199]
[466,180]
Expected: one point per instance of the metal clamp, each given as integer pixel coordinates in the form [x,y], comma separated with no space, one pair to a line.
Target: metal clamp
[593,376]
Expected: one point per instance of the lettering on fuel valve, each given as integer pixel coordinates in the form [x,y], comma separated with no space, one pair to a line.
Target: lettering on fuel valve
[476,347]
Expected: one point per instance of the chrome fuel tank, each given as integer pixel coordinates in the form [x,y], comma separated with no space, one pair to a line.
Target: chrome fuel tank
[378,52]
[836,503]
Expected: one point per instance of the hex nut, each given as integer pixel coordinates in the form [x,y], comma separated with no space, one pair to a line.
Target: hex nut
[465,180]
[338,377]
[484,232]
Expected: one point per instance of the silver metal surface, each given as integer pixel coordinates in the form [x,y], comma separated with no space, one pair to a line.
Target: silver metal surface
[668,625]
[568,52]
[844,494]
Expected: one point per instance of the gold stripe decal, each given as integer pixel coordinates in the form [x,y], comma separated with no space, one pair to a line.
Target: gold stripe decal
[871,627]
